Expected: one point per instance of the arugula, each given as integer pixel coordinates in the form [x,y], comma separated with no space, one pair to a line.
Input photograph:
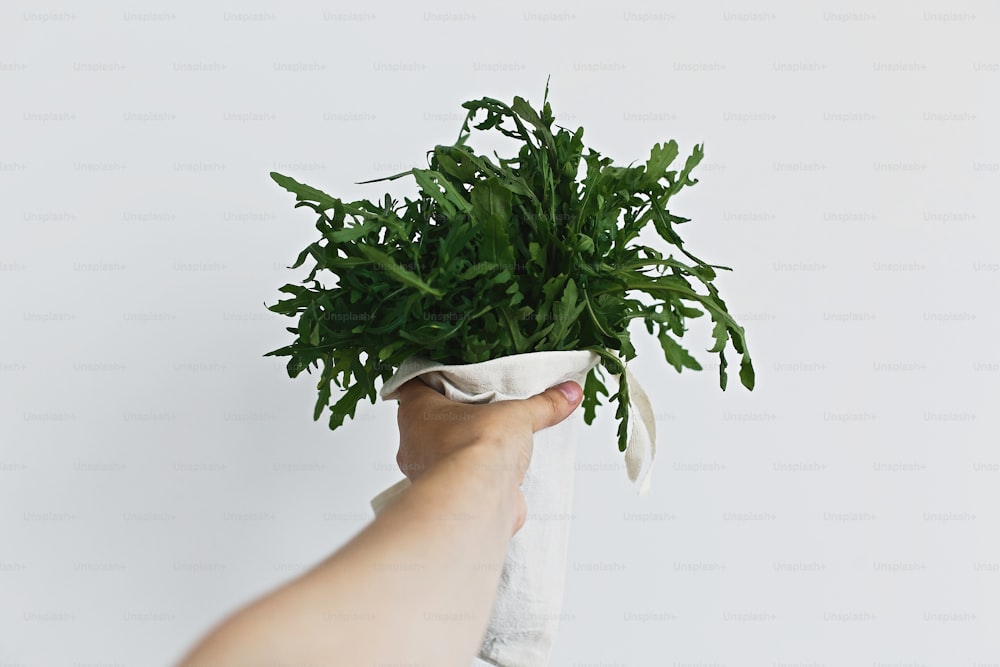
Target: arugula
[502,257]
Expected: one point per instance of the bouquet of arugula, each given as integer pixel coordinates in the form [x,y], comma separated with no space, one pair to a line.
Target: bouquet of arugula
[495,261]
[502,258]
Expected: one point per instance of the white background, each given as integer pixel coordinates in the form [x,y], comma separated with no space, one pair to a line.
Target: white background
[156,471]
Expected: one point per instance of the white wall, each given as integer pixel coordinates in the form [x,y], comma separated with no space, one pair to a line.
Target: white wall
[156,470]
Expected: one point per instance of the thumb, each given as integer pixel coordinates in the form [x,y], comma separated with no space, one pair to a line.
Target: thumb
[554,404]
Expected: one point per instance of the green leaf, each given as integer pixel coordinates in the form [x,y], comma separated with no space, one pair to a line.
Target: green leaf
[304,192]
[622,396]
[323,400]
[676,355]
[660,158]
[684,177]
[478,269]
[746,373]
[387,264]
[524,110]
[389,349]
[584,244]
[354,232]
[592,387]
[455,163]
[565,313]
[491,205]
[430,188]
[535,254]
[721,334]
[723,379]
[432,183]
[346,406]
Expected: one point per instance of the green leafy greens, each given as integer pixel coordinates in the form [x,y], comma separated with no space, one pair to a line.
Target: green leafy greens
[502,257]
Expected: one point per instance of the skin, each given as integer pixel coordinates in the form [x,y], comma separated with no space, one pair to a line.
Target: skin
[417,585]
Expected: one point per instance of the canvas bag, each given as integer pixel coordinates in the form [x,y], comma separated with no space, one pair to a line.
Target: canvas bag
[529,598]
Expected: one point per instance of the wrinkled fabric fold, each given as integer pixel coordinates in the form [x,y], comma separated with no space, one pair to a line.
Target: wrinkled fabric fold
[641,449]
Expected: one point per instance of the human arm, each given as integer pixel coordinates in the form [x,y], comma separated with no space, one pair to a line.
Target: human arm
[417,585]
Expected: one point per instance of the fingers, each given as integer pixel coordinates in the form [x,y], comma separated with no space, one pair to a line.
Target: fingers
[545,409]
[554,404]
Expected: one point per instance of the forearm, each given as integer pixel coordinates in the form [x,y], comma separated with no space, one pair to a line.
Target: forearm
[362,606]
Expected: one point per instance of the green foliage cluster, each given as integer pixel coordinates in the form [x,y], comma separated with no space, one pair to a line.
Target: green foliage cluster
[501,257]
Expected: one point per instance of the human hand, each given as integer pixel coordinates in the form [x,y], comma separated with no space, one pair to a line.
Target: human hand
[432,428]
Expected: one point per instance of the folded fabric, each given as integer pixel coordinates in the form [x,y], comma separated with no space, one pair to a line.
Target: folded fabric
[639,454]
[529,598]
